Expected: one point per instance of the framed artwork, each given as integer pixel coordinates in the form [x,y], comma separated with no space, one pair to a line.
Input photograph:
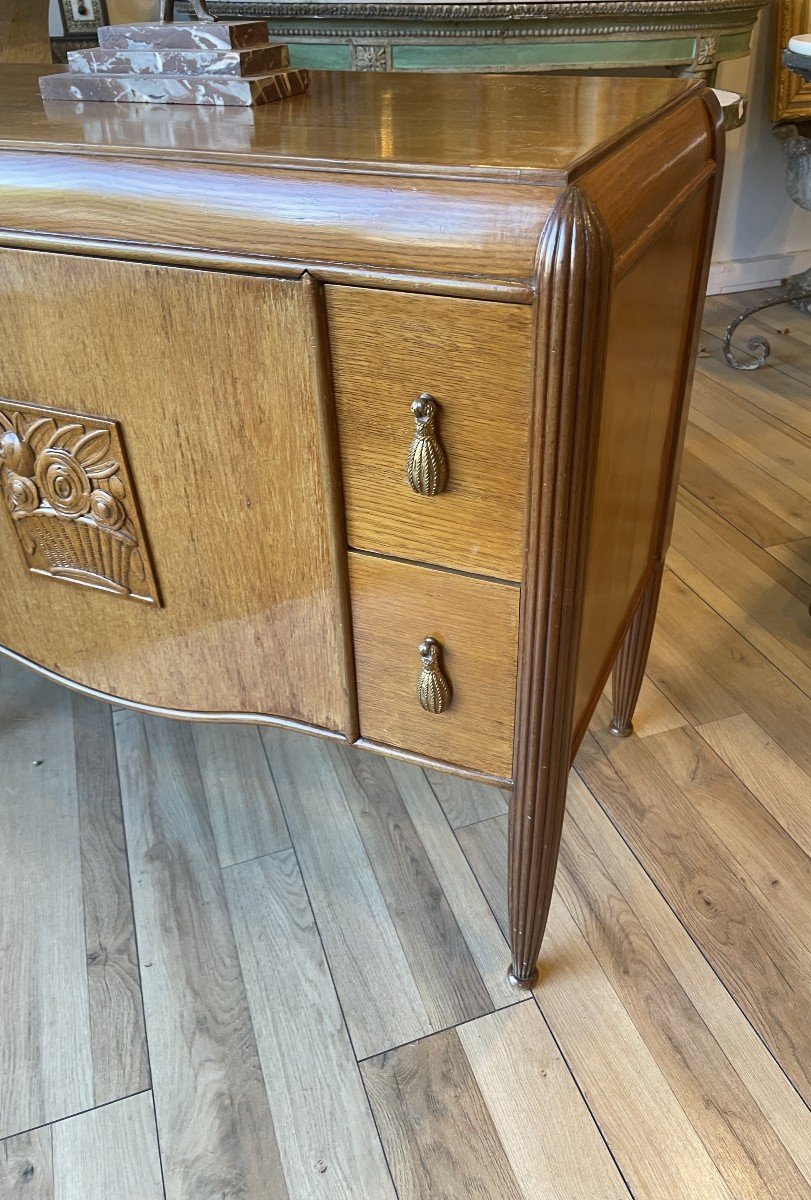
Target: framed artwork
[791,95]
[82,16]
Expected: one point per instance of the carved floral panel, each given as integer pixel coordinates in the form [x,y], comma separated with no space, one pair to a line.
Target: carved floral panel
[67,491]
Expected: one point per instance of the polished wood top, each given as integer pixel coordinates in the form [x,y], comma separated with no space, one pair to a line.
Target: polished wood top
[514,128]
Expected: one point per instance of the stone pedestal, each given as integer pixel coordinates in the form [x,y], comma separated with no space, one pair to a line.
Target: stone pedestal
[213,62]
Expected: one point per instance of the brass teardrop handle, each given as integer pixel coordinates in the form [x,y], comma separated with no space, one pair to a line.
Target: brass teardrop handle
[434,688]
[427,461]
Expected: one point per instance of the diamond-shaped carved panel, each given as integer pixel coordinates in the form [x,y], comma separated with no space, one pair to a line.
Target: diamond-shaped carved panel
[68,493]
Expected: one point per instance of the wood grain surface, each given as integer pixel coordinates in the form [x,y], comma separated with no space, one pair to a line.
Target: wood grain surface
[46,1053]
[651,997]
[245,568]
[24,32]
[411,944]
[645,332]
[111,1151]
[474,359]
[321,933]
[439,957]
[439,1136]
[338,124]
[769,773]
[246,818]
[117,1033]
[458,200]
[214,1122]
[380,997]
[464,800]
[575,274]
[731,676]
[395,606]
[777,870]
[104,1152]
[329,1148]
[764,965]
[26,1166]
[678,1118]
[428,1097]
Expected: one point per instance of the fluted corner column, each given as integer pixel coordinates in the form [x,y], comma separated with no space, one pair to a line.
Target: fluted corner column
[574,281]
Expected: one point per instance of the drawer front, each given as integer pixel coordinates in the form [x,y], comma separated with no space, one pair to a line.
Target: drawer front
[474,359]
[396,606]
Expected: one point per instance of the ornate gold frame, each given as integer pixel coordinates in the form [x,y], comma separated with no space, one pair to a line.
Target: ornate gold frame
[791,96]
[95,14]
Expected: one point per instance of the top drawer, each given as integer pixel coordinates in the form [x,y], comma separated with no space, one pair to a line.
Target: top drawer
[474,359]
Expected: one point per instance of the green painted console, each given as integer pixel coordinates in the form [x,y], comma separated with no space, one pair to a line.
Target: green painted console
[684,37]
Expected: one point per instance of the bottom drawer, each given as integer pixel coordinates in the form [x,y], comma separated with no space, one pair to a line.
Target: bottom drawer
[395,607]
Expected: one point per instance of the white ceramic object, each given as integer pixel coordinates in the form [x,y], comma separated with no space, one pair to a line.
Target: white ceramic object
[801,44]
[734,106]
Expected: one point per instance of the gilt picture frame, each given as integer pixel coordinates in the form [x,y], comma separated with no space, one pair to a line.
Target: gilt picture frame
[791,95]
[82,17]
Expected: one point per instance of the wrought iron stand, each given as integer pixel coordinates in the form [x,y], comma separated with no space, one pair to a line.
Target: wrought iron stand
[757,344]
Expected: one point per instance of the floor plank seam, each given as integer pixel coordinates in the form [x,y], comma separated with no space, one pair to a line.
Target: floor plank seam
[702,500]
[445,1029]
[312,909]
[583,1097]
[292,849]
[246,862]
[791,682]
[738,396]
[698,947]
[80,1112]
[138,954]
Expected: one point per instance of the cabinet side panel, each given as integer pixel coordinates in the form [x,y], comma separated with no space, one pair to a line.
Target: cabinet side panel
[216,385]
[650,324]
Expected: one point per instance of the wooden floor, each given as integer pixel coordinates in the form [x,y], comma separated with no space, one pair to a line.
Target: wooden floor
[248,965]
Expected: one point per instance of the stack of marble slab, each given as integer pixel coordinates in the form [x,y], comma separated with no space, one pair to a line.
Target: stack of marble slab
[211,62]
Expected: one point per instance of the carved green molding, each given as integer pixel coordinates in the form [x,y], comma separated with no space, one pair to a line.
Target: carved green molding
[690,35]
[627,11]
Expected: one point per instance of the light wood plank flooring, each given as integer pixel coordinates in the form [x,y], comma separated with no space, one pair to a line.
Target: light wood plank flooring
[244,965]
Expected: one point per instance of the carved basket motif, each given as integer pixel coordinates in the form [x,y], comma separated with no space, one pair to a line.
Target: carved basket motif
[71,501]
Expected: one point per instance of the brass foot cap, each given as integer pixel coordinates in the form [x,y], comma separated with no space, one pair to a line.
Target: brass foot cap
[522,983]
[620,730]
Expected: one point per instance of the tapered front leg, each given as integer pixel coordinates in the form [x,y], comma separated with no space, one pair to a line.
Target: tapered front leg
[629,669]
[573,289]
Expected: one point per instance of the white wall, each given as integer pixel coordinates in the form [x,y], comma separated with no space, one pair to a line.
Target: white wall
[762,235]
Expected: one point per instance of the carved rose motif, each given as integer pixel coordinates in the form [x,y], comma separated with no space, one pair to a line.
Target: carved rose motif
[63,482]
[21,495]
[106,510]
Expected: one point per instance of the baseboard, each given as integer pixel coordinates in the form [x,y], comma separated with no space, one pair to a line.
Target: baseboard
[742,274]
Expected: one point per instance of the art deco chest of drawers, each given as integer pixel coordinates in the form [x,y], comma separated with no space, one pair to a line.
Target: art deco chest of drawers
[358,413]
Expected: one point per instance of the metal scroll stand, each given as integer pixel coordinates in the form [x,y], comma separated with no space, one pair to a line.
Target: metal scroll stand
[757,344]
[797,147]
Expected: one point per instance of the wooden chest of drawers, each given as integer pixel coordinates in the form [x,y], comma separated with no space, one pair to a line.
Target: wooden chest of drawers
[359,413]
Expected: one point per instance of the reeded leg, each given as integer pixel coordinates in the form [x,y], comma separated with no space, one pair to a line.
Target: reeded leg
[629,668]
[536,821]
[575,276]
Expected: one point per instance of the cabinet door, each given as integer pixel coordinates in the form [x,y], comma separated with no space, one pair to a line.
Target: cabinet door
[168,529]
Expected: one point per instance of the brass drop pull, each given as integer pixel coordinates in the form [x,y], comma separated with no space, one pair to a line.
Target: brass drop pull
[427,462]
[434,688]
